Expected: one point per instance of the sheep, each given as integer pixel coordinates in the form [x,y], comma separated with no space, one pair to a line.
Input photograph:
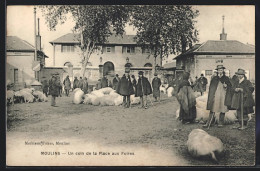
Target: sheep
[98,93]
[163,88]
[106,90]
[170,91]
[202,115]
[230,117]
[177,113]
[200,143]
[28,97]
[78,97]
[107,101]
[29,90]
[40,96]
[134,100]
[197,94]
[118,101]
[201,104]
[10,97]
[203,98]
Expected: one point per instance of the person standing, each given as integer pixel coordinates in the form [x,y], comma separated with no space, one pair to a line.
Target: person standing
[156,83]
[243,86]
[84,85]
[67,85]
[104,82]
[195,85]
[115,82]
[60,85]
[75,83]
[134,82]
[98,85]
[187,100]
[202,83]
[54,88]
[143,89]
[45,87]
[219,97]
[125,88]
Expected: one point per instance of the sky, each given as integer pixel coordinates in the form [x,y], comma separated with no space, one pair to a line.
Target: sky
[239,25]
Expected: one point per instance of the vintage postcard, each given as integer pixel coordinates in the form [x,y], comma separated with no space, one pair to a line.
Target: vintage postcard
[122,85]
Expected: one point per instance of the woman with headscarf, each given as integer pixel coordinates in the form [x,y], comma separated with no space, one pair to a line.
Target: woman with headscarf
[186,98]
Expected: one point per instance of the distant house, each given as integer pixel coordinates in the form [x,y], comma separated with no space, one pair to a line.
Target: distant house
[110,59]
[19,62]
[203,58]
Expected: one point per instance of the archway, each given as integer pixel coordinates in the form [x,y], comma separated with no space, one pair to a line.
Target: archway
[148,65]
[67,64]
[108,68]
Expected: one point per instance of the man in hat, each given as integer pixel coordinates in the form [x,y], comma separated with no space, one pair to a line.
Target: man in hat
[104,82]
[75,83]
[83,85]
[143,89]
[243,86]
[45,86]
[54,88]
[156,83]
[125,88]
[67,85]
[115,82]
[219,97]
[202,82]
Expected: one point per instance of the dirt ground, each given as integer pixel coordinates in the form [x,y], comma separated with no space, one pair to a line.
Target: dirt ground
[153,131]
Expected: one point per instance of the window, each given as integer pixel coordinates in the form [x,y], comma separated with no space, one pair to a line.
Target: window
[67,48]
[130,49]
[229,56]
[108,49]
[15,75]
[208,72]
[208,56]
[148,65]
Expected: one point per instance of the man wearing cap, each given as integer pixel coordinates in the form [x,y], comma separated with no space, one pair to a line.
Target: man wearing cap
[67,85]
[143,88]
[45,86]
[115,82]
[75,83]
[202,82]
[243,86]
[83,85]
[125,88]
[219,97]
[54,88]
[156,83]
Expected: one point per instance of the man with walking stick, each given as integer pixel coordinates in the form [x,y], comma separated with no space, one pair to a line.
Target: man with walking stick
[143,89]
[242,99]
[219,97]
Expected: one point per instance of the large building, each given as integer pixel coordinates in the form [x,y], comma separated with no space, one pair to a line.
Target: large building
[20,62]
[110,59]
[203,58]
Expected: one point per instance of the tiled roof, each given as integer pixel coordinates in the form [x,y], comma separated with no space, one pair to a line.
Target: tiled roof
[15,43]
[170,65]
[113,39]
[220,47]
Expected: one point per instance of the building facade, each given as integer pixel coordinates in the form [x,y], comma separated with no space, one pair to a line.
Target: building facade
[19,62]
[111,59]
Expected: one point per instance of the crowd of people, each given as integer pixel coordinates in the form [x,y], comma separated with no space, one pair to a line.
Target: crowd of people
[224,93]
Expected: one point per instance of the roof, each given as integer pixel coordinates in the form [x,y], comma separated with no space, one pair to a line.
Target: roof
[220,47]
[113,39]
[14,43]
[170,65]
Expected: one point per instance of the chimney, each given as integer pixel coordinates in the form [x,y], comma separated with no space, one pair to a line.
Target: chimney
[38,37]
[223,35]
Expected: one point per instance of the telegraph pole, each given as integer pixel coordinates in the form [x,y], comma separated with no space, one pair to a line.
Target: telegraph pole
[35,42]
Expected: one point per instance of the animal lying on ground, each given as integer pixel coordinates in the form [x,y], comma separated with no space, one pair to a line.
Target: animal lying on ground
[200,143]
[10,97]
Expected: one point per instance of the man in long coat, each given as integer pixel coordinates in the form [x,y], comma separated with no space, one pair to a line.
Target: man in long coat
[104,82]
[219,97]
[115,82]
[45,86]
[125,88]
[83,85]
[75,83]
[67,85]
[243,86]
[202,83]
[143,89]
[156,83]
[54,89]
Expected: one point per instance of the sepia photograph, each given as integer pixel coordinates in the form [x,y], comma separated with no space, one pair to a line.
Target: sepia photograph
[130,85]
